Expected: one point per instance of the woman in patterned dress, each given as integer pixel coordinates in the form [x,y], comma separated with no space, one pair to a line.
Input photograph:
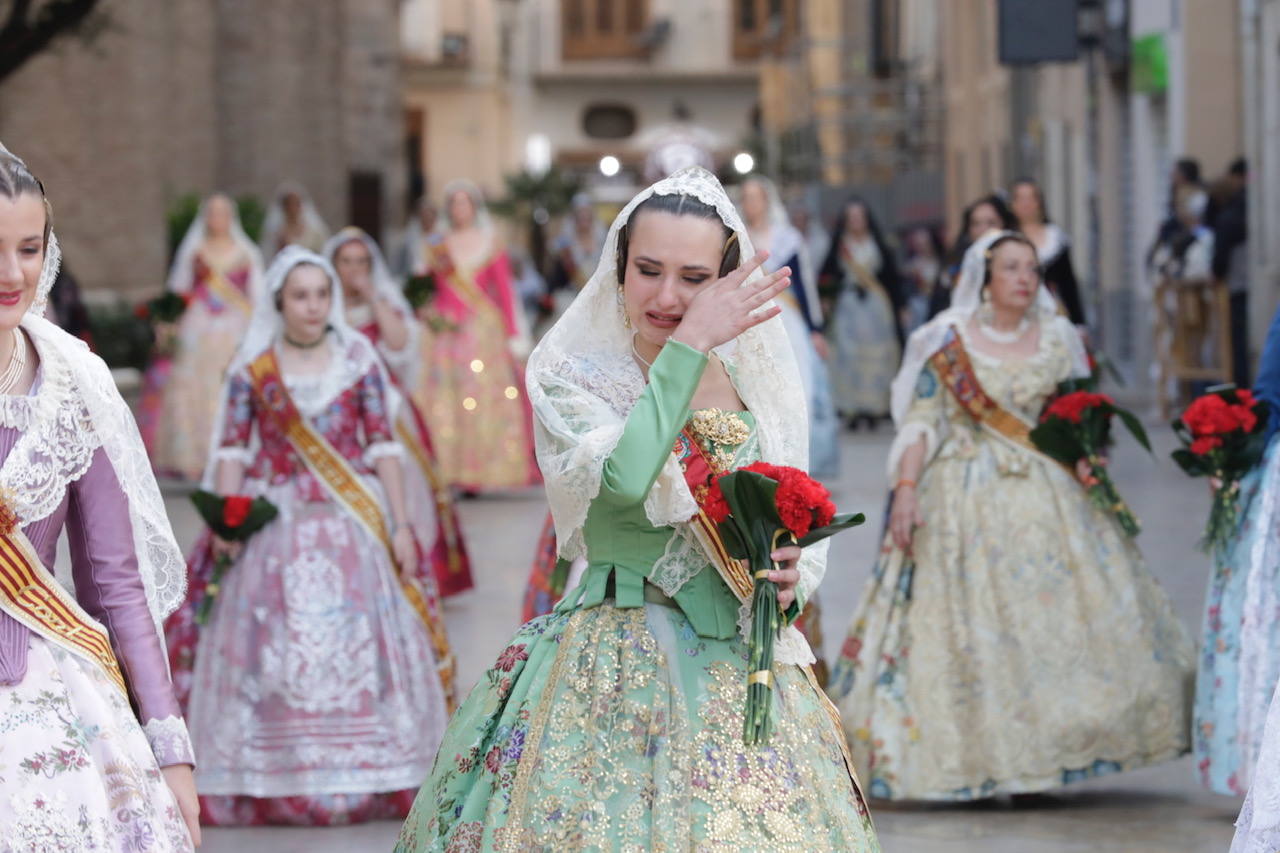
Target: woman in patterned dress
[616,721]
[1010,639]
[318,689]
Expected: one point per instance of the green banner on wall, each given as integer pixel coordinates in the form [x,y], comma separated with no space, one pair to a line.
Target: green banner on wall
[1149,65]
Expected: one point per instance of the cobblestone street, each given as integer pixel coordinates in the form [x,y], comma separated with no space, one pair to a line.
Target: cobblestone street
[1157,810]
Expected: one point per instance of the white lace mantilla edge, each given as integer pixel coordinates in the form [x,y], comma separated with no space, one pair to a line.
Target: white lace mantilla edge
[170,741]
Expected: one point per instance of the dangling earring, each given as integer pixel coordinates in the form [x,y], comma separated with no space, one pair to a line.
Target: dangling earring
[986,314]
[622,306]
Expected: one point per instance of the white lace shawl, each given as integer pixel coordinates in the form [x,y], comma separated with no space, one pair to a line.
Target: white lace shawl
[274,221]
[786,241]
[403,361]
[583,382]
[76,410]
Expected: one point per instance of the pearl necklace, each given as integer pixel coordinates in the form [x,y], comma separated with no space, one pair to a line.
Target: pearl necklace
[636,352]
[17,363]
[1000,337]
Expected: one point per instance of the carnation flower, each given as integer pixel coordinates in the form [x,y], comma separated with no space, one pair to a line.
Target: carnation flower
[1071,407]
[1202,446]
[235,509]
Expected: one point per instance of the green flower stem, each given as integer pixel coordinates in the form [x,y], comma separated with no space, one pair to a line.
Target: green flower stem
[766,621]
[220,566]
[1222,515]
[1105,496]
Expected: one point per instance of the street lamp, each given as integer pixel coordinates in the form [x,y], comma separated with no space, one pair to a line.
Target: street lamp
[609,165]
[743,162]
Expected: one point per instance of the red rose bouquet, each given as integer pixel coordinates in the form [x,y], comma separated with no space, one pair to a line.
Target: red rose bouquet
[233,518]
[759,509]
[1077,425]
[1223,435]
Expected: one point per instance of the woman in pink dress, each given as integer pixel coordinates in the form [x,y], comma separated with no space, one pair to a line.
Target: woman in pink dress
[217,269]
[319,687]
[376,307]
[473,392]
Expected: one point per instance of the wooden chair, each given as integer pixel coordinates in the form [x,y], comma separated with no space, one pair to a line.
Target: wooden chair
[1192,337]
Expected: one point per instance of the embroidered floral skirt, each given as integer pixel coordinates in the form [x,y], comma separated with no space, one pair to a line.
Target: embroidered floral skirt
[1232,695]
[1021,646]
[865,352]
[312,692]
[621,729]
[472,396]
[76,771]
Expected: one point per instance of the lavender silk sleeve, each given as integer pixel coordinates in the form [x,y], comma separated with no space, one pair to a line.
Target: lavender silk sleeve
[108,586]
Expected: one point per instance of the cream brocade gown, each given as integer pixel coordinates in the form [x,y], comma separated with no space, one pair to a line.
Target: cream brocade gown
[1023,645]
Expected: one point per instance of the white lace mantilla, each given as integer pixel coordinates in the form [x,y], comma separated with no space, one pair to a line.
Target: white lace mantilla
[75,410]
[56,445]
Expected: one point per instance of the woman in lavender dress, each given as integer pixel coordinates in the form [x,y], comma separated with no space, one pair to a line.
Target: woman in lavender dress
[81,769]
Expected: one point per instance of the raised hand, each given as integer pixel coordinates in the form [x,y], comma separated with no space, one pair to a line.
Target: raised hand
[723,310]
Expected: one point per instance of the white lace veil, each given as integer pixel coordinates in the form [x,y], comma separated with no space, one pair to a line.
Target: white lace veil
[74,374]
[180,271]
[266,326]
[787,241]
[411,257]
[402,361]
[387,287]
[965,301]
[484,222]
[583,382]
[274,219]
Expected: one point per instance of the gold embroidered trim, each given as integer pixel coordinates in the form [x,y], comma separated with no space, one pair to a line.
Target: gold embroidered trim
[508,838]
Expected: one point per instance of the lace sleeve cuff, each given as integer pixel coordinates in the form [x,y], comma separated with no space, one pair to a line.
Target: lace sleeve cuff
[909,434]
[169,741]
[397,359]
[382,450]
[232,453]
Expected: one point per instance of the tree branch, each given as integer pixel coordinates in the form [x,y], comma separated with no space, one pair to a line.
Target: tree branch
[23,37]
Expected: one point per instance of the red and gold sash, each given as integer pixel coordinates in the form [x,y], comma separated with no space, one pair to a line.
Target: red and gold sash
[222,288]
[700,469]
[865,277]
[465,283]
[955,370]
[345,487]
[31,595]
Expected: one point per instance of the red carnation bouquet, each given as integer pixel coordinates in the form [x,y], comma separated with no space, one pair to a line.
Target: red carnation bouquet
[759,509]
[1077,425]
[233,518]
[1223,435]
[162,315]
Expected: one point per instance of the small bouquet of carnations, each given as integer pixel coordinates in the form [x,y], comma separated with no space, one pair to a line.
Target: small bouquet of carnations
[233,518]
[1077,425]
[758,509]
[161,314]
[1223,434]
[420,290]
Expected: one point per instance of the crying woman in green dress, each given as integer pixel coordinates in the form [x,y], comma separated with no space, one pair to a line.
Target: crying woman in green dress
[615,722]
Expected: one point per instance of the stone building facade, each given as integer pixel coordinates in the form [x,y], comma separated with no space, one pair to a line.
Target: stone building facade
[180,96]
